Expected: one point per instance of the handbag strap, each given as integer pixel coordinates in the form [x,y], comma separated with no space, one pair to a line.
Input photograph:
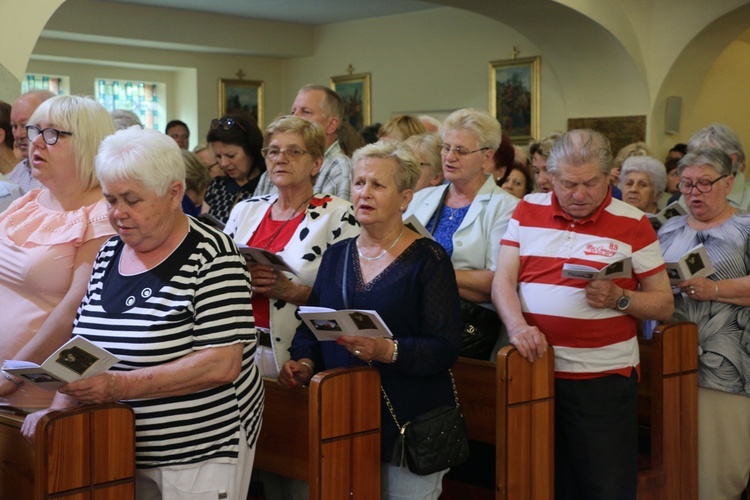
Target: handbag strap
[344,294]
[393,412]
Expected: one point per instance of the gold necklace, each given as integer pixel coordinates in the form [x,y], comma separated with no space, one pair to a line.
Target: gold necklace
[385,251]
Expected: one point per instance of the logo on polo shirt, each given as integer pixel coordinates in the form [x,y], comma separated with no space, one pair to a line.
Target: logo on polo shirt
[603,250]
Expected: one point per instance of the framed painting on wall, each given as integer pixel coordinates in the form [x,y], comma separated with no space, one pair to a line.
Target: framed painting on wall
[242,95]
[620,130]
[355,92]
[514,97]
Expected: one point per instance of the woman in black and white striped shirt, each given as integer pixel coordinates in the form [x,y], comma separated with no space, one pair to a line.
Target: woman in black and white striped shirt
[170,297]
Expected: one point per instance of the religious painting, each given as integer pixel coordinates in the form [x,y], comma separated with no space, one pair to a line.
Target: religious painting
[242,95]
[355,92]
[514,97]
[620,130]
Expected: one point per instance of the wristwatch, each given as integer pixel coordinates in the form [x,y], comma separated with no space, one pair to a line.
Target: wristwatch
[623,302]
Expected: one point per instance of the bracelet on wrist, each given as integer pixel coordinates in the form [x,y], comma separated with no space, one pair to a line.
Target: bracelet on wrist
[716,289]
[307,365]
[11,379]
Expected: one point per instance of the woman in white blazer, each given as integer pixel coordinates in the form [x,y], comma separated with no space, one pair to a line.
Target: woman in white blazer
[296,224]
[469,215]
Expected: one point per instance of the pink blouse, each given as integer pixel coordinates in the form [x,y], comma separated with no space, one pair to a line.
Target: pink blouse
[37,252]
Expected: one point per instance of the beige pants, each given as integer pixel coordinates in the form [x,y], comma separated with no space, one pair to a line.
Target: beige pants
[203,481]
[723,444]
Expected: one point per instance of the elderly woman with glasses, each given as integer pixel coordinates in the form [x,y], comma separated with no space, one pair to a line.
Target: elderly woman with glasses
[49,237]
[297,224]
[720,305]
[236,141]
[468,217]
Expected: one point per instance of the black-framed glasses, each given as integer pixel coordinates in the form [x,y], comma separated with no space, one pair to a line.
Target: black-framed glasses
[49,135]
[702,185]
[274,153]
[445,150]
[226,124]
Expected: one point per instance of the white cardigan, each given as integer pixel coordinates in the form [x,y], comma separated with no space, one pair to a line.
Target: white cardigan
[476,242]
[328,219]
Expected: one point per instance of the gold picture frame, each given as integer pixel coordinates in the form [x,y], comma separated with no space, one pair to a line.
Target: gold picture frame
[242,95]
[354,90]
[514,96]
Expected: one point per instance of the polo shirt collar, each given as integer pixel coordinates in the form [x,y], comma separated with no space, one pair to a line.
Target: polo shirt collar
[557,210]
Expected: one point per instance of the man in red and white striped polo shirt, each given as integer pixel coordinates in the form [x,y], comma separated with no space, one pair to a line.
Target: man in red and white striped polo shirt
[591,324]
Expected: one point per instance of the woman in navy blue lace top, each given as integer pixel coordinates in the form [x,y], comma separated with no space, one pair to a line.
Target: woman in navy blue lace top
[410,282]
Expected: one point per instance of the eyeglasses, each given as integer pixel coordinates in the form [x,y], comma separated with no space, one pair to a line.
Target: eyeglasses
[49,135]
[445,150]
[702,185]
[274,153]
[226,124]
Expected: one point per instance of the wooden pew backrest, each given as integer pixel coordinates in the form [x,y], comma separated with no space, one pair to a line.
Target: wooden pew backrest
[327,434]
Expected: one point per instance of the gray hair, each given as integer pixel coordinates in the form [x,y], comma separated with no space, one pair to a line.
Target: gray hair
[580,147]
[486,128]
[655,170]
[125,119]
[89,122]
[543,146]
[719,136]
[715,158]
[632,149]
[142,155]
[331,104]
[408,171]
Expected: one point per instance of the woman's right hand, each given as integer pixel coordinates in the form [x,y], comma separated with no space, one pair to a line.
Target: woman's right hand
[28,429]
[7,387]
[295,374]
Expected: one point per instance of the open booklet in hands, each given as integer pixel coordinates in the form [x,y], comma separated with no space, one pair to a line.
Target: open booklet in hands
[264,257]
[658,219]
[77,359]
[694,264]
[620,269]
[330,324]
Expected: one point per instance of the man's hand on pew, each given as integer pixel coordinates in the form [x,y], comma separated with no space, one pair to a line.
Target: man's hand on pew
[296,373]
[530,342]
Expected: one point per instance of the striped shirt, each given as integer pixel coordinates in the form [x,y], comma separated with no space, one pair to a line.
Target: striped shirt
[197,298]
[588,342]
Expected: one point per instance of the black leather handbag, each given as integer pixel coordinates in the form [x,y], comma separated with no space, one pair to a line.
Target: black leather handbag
[434,441]
[481,330]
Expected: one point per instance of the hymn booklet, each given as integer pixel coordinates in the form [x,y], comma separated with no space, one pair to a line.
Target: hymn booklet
[262,256]
[694,264]
[77,359]
[330,324]
[413,223]
[620,269]
[658,219]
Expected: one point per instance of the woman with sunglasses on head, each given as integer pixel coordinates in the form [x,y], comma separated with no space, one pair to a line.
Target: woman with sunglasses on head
[49,237]
[468,216]
[236,141]
[297,224]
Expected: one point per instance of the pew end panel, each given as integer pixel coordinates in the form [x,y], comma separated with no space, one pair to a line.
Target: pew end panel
[86,453]
[669,398]
[327,434]
[525,426]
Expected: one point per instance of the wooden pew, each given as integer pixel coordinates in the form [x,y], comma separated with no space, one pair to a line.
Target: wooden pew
[327,434]
[83,454]
[509,404]
[669,397]
[518,396]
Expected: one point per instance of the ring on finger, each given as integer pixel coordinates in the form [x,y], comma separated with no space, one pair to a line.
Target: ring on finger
[357,352]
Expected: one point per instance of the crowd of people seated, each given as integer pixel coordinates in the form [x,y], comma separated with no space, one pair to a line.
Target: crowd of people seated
[458,238]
